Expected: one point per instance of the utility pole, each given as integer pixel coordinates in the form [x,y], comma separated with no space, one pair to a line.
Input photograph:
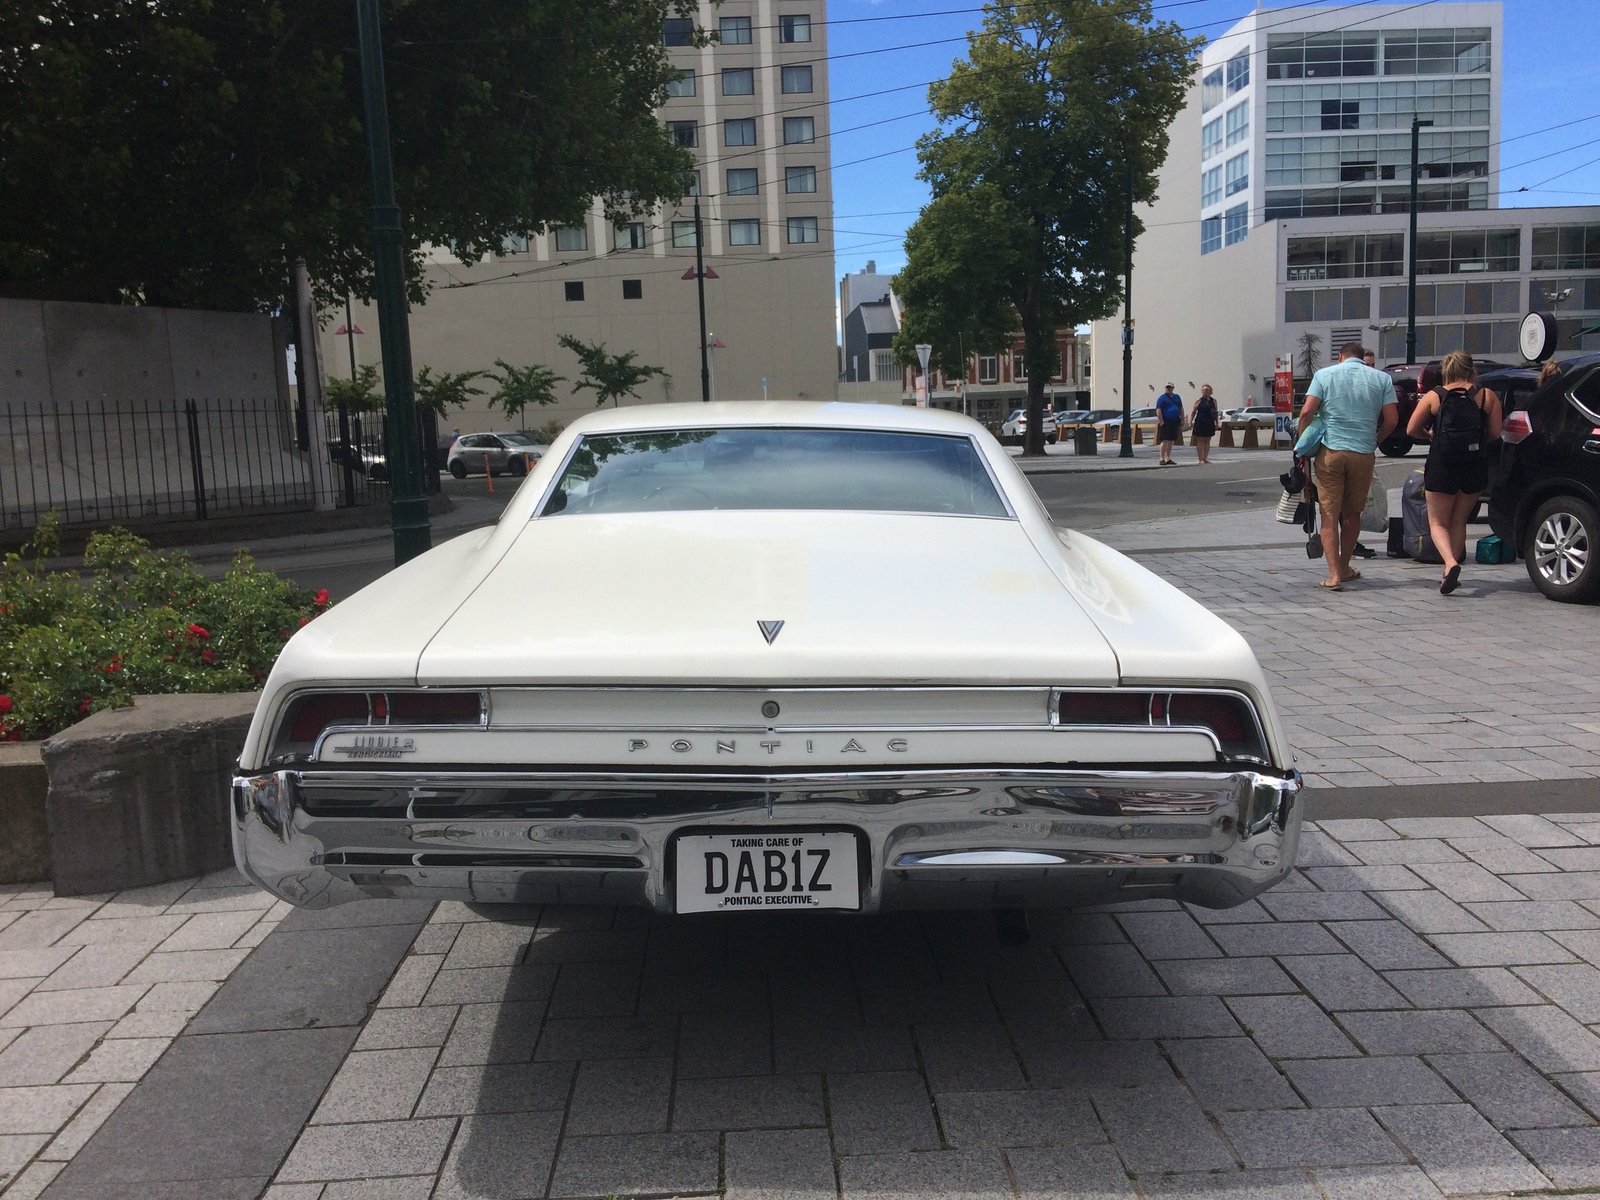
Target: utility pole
[1411,247]
[1127,323]
[700,287]
[407,505]
[344,410]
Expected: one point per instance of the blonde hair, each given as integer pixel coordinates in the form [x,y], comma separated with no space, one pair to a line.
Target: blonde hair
[1457,367]
[1548,371]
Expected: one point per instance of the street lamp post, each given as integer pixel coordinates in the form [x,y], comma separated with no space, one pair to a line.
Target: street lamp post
[1411,247]
[408,507]
[1127,323]
[700,288]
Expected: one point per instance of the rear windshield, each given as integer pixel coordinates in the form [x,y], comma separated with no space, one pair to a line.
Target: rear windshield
[850,469]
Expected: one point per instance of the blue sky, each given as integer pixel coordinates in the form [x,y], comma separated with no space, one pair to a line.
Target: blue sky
[1550,50]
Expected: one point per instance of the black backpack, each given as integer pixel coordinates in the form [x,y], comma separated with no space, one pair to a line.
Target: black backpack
[1458,429]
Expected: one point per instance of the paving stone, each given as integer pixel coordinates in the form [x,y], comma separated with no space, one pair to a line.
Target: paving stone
[604,1037]
[1154,1017]
[97,967]
[1584,943]
[1317,849]
[1078,928]
[1460,1151]
[1248,913]
[375,1085]
[412,979]
[630,1095]
[958,1175]
[1286,937]
[756,1102]
[1322,906]
[1437,827]
[1290,1025]
[77,1132]
[500,1154]
[414,1187]
[801,1049]
[1070,1173]
[1160,1128]
[1342,981]
[712,1045]
[490,1033]
[779,1164]
[34,962]
[1502,856]
[361,1151]
[1046,1117]
[1376,1183]
[1232,1185]
[211,931]
[1577,858]
[1570,1157]
[47,1052]
[496,1088]
[1511,1094]
[1430,1031]
[1364,879]
[1366,1082]
[879,1112]
[901,999]
[1465,882]
[1531,831]
[968,1058]
[491,985]
[650,1163]
[1099,1064]
[73,1007]
[123,1060]
[1320,1137]
[40,928]
[1168,935]
[184,966]
[1545,1036]
[1224,977]
[1387,945]
[1463,987]
[1547,915]
[1557,885]
[399,1028]
[1575,987]
[1111,970]
[44,1109]
[1231,1073]
[1501,949]
[1358,829]
[1429,912]
[1407,852]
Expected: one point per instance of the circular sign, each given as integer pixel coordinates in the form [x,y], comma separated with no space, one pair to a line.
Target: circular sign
[1537,337]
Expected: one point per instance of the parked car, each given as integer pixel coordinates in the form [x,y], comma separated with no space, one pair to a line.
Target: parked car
[368,457]
[1016,425]
[494,454]
[1139,416]
[1545,483]
[1068,421]
[1418,379]
[1256,416]
[705,662]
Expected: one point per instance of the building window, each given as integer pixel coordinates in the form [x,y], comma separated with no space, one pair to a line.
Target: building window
[799,179]
[1239,72]
[1435,51]
[743,181]
[514,243]
[677,31]
[684,133]
[1468,250]
[573,289]
[883,368]
[1210,235]
[739,133]
[1322,55]
[1345,256]
[799,131]
[738,81]
[1210,186]
[683,85]
[1238,123]
[694,184]
[794,29]
[1238,176]
[1327,304]
[1235,224]
[683,235]
[988,368]
[572,237]
[1019,366]
[1566,247]
[629,236]
[1211,90]
[633,289]
[744,232]
[1210,139]
[802,229]
[734,31]
[796,80]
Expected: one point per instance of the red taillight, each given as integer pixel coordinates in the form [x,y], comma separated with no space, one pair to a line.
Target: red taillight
[1516,427]
[309,716]
[315,713]
[434,708]
[1223,715]
[1229,717]
[1103,708]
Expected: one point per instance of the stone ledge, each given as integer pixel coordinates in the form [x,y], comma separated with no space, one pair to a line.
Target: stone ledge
[139,795]
[24,834]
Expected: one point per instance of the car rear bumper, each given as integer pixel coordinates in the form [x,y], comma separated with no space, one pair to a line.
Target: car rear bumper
[956,838]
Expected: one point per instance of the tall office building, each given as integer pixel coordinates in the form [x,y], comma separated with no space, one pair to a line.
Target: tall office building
[753,106]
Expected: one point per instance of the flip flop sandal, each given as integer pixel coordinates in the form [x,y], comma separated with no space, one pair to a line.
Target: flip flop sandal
[1452,580]
[1332,587]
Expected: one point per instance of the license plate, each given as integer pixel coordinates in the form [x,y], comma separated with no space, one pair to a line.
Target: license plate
[769,869]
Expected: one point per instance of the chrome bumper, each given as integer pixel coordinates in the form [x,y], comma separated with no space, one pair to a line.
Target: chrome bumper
[934,839]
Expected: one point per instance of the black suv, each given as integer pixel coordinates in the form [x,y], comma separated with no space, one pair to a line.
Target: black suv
[1545,484]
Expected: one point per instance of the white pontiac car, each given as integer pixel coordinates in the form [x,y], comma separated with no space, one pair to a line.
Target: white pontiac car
[762,655]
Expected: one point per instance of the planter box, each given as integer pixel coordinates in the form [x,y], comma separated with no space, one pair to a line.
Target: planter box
[24,835]
[140,795]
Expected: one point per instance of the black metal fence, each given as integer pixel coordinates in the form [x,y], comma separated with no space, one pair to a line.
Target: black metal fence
[139,462]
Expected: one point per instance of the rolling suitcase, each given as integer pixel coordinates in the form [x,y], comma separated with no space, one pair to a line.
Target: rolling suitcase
[1414,521]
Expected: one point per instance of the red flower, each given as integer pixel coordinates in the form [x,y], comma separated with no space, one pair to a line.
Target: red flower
[14,736]
[5,704]
[199,631]
[208,656]
[321,598]
[88,703]
[304,621]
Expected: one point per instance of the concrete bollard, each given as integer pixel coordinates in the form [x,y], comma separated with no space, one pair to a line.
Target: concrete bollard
[140,795]
[1225,436]
[1138,435]
[1252,440]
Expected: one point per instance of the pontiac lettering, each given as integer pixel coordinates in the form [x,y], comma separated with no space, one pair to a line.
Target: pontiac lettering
[377,745]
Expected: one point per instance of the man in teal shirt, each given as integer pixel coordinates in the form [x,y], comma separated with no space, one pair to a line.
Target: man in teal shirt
[1358,410]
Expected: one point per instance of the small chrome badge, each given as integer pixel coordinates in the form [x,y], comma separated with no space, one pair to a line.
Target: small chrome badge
[770,630]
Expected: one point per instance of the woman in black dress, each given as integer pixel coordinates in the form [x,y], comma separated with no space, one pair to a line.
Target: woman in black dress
[1205,423]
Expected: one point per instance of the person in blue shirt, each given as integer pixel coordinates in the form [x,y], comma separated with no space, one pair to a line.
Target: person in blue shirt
[1358,411]
[1169,407]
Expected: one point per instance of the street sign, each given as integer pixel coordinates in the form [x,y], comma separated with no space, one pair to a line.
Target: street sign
[1537,337]
[1283,399]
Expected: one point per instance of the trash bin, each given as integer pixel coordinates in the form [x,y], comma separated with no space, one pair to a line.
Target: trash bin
[1084,440]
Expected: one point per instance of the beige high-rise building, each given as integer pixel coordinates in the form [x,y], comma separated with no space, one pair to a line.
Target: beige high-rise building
[754,107]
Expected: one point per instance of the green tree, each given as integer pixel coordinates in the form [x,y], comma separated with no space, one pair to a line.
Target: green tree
[185,151]
[1041,124]
[522,386]
[359,395]
[443,392]
[609,376]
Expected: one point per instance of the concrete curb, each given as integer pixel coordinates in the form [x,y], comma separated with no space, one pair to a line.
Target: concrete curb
[1453,799]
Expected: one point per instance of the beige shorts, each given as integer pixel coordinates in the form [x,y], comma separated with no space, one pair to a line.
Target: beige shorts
[1343,477]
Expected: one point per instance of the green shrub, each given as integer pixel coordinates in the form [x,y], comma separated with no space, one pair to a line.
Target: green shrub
[136,622]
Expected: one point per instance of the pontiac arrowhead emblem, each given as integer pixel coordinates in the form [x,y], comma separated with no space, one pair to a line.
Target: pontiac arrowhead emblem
[770,630]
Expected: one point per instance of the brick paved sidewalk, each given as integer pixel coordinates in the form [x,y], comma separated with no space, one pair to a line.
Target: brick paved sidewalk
[1414,1014]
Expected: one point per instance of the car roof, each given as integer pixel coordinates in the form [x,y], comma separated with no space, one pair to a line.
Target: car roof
[772,413]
